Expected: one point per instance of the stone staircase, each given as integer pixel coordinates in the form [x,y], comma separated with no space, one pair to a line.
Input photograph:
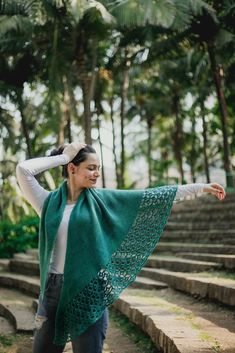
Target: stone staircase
[184,297]
[196,253]
[196,260]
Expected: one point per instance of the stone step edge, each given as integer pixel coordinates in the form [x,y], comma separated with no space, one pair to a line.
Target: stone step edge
[203,287]
[174,247]
[173,341]
[148,284]
[4,264]
[186,228]
[185,205]
[226,261]
[7,314]
[18,281]
[28,267]
[160,262]
[181,261]
[10,313]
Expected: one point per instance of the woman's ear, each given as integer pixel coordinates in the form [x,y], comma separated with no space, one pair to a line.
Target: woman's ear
[71,168]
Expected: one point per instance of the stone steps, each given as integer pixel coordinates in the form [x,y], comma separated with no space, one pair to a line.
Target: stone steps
[25,284]
[26,267]
[183,265]
[227,261]
[220,289]
[31,267]
[170,342]
[171,332]
[206,199]
[6,327]
[33,253]
[198,225]
[199,236]
[17,308]
[18,317]
[198,239]
[194,216]
[4,264]
[201,208]
[23,256]
[173,327]
[179,247]
[147,283]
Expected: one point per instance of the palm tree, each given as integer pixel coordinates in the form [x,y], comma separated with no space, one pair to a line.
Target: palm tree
[212,40]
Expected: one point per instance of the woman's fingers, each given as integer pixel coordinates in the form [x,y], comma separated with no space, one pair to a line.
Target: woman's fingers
[72,149]
[215,189]
[219,189]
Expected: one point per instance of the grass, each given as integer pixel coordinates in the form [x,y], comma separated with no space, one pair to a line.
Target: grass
[215,345]
[142,340]
[6,340]
[19,343]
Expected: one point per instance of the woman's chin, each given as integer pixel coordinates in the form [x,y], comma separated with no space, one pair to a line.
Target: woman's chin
[92,185]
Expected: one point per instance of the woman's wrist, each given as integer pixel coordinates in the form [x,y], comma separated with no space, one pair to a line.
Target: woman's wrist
[66,159]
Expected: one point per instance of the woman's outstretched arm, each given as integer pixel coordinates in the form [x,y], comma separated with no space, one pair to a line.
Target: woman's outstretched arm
[199,188]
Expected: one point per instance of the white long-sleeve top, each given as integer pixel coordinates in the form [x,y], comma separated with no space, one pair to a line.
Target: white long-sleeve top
[35,194]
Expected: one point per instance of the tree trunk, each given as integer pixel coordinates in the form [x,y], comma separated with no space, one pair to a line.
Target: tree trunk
[124,91]
[223,112]
[87,83]
[118,179]
[149,153]
[205,142]
[24,125]
[164,155]
[193,153]
[73,103]
[87,111]
[177,136]
[62,124]
[67,109]
[101,153]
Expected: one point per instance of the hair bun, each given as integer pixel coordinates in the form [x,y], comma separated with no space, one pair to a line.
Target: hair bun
[58,150]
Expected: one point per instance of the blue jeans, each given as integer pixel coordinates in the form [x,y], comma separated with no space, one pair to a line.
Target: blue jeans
[91,341]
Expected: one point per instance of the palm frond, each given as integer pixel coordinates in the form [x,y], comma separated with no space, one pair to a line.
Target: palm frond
[14,7]
[15,23]
[224,37]
[105,15]
[76,8]
[131,13]
[188,9]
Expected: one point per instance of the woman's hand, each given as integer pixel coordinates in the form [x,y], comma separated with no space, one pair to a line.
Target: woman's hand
[72,150]
[215,189]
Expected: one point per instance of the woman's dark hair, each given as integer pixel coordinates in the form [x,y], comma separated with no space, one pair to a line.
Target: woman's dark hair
[79,158]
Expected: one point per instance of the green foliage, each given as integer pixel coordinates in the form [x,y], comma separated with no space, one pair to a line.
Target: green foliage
[49,48]
[18,237]
[6,340]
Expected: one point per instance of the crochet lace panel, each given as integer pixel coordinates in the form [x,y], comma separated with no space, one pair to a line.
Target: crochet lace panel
[88,305]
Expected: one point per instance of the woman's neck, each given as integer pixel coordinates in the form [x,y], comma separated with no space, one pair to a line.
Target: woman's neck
[73,192]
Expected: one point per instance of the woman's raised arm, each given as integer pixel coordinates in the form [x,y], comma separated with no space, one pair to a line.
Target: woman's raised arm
[32,191]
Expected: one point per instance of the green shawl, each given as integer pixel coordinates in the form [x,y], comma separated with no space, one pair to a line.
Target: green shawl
[111,233]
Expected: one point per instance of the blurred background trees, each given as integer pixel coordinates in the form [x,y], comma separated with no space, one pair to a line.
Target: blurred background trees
[149,82]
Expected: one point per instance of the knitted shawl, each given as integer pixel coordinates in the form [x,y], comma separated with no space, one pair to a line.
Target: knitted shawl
[111,233]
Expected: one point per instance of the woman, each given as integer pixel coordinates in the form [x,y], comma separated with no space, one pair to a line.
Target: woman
[92,244]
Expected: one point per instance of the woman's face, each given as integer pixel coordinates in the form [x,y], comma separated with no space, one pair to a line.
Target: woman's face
[86,173]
